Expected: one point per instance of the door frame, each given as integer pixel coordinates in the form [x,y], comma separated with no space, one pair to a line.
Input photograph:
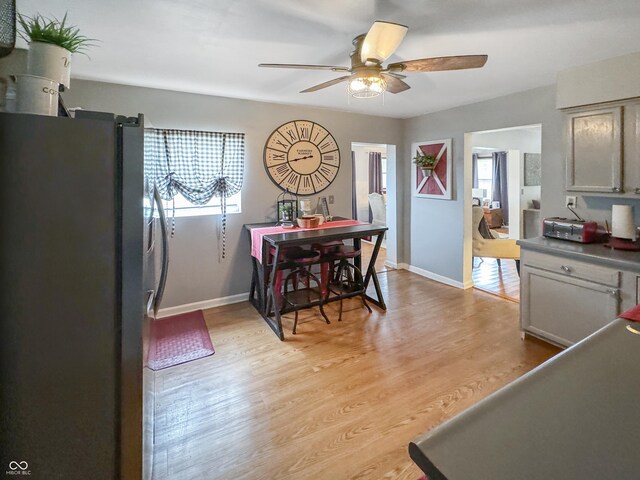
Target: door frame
[392,199]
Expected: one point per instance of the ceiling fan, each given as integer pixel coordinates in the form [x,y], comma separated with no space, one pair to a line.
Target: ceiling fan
[368,78]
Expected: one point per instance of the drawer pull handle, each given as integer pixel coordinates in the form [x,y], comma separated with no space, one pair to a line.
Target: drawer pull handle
[566,268]
[637,190]
[613,292]
[617,189]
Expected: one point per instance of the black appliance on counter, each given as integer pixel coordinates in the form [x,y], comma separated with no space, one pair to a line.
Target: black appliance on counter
[77,292]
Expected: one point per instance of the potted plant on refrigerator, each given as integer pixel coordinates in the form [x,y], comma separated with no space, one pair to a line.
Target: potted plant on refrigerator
[425,162]
[51,44]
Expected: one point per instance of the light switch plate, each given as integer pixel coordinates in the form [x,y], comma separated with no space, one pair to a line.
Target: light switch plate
[330,199]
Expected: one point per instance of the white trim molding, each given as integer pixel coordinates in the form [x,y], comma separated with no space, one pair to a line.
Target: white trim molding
[434,276]
[204,304]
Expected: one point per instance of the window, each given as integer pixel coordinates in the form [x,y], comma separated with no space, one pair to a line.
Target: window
[193,170]
[383,168]
[184,208]
[485,175]
[196,172]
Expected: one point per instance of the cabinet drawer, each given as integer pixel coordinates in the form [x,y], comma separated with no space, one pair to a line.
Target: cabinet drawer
[573,268]
[563,309]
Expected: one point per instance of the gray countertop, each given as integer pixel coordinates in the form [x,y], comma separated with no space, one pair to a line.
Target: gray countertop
[592,252]
[574,417]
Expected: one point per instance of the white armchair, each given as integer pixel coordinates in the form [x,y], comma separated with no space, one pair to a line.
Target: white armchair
[378,208]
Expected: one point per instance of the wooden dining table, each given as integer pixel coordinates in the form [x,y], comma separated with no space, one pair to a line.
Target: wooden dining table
[262,292]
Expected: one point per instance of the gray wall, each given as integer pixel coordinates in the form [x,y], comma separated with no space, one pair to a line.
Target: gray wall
[431,232]
[195,274]
[434,233]
[435,237]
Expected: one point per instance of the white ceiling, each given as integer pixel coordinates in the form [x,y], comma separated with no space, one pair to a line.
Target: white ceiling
[214,46]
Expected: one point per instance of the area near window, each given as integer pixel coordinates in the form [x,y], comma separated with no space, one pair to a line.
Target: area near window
[181,207]
[196,172]
[485,175]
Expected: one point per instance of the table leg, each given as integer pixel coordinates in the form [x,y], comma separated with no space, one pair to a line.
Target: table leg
[266,271]
[372,275]
[254,294]
[357,261]
[255,279]
[276,322]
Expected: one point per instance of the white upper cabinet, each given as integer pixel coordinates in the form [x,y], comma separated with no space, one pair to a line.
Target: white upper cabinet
[594,150]
[602,146]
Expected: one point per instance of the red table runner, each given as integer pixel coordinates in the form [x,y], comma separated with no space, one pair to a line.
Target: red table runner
[632,314]
[257,234]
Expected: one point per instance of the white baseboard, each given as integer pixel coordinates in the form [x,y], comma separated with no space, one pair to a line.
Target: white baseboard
[389,264]
[436,277]
[214,302]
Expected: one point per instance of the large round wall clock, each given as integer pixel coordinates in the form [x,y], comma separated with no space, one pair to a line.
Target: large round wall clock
[302,157]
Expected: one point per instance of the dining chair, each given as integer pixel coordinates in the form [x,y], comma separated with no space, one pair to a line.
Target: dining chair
[347,280]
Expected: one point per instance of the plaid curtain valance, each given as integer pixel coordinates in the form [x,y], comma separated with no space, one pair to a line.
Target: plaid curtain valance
[199,165]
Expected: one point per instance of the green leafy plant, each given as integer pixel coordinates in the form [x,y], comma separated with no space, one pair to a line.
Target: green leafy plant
[425,161]
[51,30]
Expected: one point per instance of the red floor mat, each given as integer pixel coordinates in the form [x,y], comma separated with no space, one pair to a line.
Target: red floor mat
[178,339]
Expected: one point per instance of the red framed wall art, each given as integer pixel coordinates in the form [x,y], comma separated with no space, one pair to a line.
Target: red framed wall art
[436,183]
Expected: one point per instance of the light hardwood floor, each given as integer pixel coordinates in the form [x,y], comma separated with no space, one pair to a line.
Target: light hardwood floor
[367,251]
[503,281]
[338,401]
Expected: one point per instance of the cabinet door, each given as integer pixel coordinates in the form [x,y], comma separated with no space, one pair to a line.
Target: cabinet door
[564,309]
[632,148]
[594,150]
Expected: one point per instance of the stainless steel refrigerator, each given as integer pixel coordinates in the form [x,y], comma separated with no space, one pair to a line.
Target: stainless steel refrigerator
[78,288]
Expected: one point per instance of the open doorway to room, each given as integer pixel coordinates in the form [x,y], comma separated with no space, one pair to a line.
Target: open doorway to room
[504,193]
[374,197]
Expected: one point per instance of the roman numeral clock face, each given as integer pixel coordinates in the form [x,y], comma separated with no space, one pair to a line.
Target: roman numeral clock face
[302,157]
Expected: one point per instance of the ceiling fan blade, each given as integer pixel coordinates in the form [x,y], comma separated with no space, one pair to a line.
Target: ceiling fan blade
[326,84]
[381,41]
[395,85]
[437,64]
[393,74]
[333,68]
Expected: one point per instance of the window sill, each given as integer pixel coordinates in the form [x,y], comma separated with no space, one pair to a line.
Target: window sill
[200,211]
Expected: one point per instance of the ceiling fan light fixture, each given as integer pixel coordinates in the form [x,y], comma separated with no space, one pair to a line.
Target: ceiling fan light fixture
[366,87]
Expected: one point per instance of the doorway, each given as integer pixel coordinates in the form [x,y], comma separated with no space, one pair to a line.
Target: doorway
[373,197]
[502,179]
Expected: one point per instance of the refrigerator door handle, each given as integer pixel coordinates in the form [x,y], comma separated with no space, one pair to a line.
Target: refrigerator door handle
[151,228]
[150,302]
[165,254]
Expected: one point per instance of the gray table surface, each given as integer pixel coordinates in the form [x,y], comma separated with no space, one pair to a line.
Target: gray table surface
[591,252]
[575,417]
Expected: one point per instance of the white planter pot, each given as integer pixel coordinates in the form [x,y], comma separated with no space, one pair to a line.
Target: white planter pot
[427,172]
[49,61]
[37,95]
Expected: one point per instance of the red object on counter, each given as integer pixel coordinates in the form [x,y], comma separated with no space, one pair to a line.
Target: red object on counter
[589,231]
[632,314]
[573,230]
[623,244]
